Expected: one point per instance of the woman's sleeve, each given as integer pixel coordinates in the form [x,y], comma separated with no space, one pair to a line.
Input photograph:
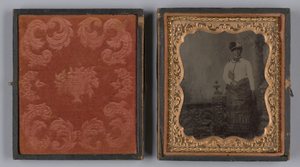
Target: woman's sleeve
[225,74]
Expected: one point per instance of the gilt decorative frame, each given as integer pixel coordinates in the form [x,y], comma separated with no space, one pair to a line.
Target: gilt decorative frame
[173,26]
[58,150]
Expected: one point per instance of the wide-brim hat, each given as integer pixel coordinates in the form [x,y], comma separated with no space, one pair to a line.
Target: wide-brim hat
[235,45]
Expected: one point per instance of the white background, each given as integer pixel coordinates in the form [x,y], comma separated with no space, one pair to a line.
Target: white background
[150,7]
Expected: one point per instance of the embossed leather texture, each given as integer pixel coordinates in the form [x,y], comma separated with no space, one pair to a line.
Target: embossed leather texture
[77,84]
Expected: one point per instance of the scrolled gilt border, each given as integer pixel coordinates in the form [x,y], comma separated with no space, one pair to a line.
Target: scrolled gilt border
[178,27]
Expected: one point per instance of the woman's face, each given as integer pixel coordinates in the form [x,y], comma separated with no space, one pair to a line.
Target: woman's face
[237,52]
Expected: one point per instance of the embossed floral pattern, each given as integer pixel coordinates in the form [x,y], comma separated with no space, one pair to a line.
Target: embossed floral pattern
[32,41]
[34,122]
[62,131]
[33,125]
[91,134]
[117,110]
[61,136]
[122,40]
[77,82]
[26,85]
[123,84]
[62,37]
[87,37]
[67,103]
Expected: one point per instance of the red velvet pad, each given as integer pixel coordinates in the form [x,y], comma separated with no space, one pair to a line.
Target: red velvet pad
[77,84]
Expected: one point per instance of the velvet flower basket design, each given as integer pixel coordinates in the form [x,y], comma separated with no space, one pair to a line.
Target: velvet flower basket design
[77,84]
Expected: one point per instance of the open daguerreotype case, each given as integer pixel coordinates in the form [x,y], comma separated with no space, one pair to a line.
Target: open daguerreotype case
[223,84]
[78,84]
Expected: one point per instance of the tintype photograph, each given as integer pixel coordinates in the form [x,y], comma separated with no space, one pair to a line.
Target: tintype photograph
[223,84]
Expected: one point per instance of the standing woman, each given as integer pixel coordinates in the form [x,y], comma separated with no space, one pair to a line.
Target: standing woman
[240,103]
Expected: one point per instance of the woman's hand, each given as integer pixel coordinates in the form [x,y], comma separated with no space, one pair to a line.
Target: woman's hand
[233,83]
